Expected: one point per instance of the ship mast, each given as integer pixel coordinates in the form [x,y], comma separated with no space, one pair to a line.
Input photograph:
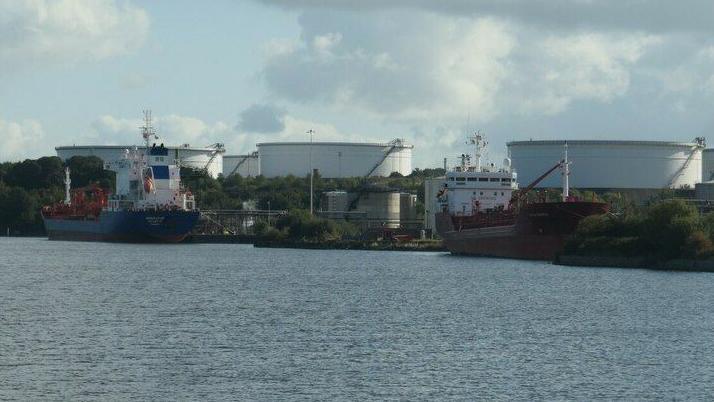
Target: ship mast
[147,130]
[478,140]
[67,182]
[565,167]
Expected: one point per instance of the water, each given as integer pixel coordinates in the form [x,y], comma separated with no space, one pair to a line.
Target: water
[107,321]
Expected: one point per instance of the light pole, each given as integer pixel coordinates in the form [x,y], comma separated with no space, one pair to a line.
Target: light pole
[312,171]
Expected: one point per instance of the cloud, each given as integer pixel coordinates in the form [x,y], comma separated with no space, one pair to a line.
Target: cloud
[20,139]
[36,33]
[413,66]
[655,16]
[262,119]
[172,129]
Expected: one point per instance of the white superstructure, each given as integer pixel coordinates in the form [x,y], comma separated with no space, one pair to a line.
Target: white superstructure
[335,159]
[471,187]
[147,178]
[244,165]
[208,158]
[599,164]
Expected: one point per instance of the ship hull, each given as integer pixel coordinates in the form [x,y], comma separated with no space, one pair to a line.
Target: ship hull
[538,233]
[124,226]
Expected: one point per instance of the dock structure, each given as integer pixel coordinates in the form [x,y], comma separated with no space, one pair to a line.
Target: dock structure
[235,221]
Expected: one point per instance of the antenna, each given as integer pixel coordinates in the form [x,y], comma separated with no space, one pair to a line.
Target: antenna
[478,140]
[147,130]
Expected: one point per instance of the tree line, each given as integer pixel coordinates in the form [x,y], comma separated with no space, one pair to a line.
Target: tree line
[28,185]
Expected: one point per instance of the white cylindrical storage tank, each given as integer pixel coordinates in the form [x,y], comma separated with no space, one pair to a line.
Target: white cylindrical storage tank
[407,207]
[610,164]
[208,158]
[244,165]
[381,208]
[335,159]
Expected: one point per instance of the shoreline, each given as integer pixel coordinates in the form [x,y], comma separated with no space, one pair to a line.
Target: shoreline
[680,264]
[432,246]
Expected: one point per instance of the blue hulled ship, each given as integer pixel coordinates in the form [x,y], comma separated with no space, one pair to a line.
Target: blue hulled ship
[149,203]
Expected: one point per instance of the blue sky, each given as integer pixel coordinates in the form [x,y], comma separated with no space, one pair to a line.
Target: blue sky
[241,72]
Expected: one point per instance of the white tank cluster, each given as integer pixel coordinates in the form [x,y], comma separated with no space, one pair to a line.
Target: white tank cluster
[335,159]
[244,165]
[599,164]
[208,158]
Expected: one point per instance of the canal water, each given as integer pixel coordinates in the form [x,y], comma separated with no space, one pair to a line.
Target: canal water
[199,321]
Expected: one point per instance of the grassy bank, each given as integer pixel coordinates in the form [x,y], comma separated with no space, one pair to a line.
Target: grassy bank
[651,236]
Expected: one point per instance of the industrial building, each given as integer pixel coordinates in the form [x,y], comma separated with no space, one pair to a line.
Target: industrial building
[335,159]
[372,207]
[208,158]
[623,165]
[244,165]
[708,164]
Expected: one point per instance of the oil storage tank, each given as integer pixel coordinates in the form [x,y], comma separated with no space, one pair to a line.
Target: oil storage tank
[381,207]
[244,165]
[335,159]
[209,158]
[601,164]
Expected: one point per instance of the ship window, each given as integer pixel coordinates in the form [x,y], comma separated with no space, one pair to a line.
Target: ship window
[471,179]
[460,179]
[481,193]
[451,178]
[474,193]
[483,179]
[501,192]
[506,180]
[495,193]
[495,179]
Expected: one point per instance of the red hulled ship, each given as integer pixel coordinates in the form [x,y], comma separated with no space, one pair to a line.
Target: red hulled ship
[484,213]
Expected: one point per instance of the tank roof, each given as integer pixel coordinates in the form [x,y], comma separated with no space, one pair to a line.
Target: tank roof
[604,142]
[363,144]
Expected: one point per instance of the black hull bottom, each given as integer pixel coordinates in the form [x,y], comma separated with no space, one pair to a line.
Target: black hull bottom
[118,238]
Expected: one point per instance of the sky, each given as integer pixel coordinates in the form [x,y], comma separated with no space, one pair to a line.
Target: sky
[429,71]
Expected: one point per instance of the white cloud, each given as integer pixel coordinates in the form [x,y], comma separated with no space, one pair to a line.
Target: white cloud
[39,32]
[635,15]
[558,70]
[20,140]
[172,129]
[437,68]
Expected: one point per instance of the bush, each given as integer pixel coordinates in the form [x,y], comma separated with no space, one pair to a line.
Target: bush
[698,245]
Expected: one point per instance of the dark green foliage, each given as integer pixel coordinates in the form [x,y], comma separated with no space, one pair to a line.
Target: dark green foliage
[18,209]
[664,230]
[28,185]
[208,191]
[299,225]
[26,174]
[86,170]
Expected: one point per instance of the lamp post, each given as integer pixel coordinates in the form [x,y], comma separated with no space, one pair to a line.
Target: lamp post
[312,171]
